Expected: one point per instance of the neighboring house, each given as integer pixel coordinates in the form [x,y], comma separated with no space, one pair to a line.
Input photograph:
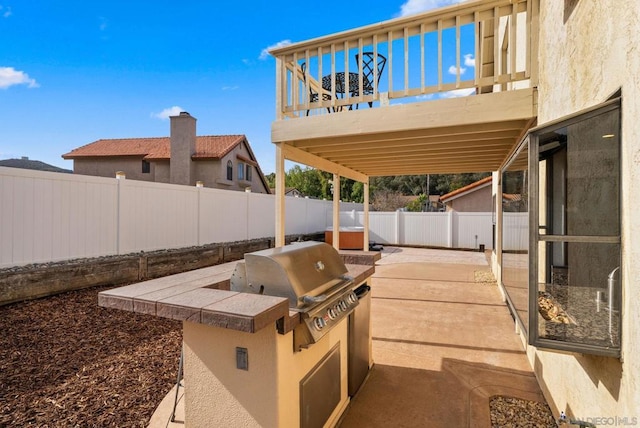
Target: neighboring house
[478,197]
[474,197]
[290,191]
[26,163]
[220,161]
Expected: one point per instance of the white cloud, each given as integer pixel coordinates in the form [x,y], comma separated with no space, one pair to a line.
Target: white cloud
[9,76]
[265,52]
[7,11]
[230,88]
[171,111]
[469,60]
[453,70]
[457,93]
[411,7]
[103,23]
[425,97]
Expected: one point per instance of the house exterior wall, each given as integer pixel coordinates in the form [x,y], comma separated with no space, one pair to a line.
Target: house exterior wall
[107,167]
[587,51]
[474,202]
[214,173]
[160,171]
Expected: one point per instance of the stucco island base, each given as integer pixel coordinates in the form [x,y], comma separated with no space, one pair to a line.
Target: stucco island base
[217,393]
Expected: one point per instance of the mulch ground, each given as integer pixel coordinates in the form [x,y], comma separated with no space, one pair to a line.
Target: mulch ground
[65,362]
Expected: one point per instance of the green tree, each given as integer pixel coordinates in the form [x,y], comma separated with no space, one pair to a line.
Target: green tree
[417,204]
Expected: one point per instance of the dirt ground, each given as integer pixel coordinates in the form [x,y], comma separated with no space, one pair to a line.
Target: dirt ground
[65,362]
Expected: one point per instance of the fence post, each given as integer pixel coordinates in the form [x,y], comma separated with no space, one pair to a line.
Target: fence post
[450,229]
[118,215]
[398,227]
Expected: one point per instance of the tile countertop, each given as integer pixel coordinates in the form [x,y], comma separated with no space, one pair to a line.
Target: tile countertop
[203,296]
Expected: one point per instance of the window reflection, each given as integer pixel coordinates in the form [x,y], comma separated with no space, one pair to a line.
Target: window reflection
[577,291]
[515,236]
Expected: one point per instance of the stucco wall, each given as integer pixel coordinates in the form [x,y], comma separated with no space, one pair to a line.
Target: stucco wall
[214,173]
[217,394]
[588,50]
[475,202]
[107,167]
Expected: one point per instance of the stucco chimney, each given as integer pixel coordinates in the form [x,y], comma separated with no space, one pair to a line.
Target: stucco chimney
[183,146]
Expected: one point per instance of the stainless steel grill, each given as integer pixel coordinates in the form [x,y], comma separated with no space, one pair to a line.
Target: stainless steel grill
[311,275]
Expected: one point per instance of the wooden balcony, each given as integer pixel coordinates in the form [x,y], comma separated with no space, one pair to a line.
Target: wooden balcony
[455,93]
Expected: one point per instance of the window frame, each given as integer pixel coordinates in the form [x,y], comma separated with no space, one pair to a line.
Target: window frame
[535,237]
[146,167]
[229,170]
[240,171]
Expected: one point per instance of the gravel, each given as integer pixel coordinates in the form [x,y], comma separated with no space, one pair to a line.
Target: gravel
[65,362]
[511,412]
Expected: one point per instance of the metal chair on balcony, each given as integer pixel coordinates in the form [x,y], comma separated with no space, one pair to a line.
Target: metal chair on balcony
[313,95]
[369,64]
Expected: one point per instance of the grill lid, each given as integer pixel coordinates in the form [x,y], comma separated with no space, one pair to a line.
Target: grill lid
[304,272]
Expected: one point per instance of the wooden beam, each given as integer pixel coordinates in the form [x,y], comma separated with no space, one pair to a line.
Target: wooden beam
[300,156]
[390,149]
[455,112]
[437,135]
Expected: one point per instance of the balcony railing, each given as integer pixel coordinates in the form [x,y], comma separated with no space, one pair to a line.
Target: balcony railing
[472,48]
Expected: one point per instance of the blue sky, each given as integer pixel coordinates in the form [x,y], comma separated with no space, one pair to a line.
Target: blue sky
[72,72]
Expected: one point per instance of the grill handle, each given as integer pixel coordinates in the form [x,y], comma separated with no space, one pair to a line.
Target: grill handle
[310,300]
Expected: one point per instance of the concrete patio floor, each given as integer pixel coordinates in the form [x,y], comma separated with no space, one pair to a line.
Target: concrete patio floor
[443,344]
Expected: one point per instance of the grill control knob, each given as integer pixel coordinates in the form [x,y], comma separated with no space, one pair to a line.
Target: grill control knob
[337,308]
[343,305]
[332,313]
[352,298]
[319,323]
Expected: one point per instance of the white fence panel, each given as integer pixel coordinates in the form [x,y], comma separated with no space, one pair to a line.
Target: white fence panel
[515,235]
[472,229]
[383,227]
[224,216]
[47,216]
[429,229]
[317,215]
[352,218]
[155,216]
[262,216]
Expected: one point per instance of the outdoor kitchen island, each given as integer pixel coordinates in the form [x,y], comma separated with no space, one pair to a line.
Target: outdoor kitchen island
[259,359]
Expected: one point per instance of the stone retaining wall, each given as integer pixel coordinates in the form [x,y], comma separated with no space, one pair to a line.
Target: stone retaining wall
[46,279]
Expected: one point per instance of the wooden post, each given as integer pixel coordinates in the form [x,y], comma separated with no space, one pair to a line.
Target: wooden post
[336,211]
[366,216]
[280,205]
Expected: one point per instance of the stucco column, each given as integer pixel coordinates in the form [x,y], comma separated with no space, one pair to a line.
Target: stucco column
[336,211]
[280,205]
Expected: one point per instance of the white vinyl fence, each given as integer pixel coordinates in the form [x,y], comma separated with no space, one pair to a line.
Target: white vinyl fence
[48,216]
[448,230]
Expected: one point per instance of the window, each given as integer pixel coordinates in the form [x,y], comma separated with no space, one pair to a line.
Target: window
[574,229]
[249,173]
[146,167]
[515,234]
[240,171]
[229,170]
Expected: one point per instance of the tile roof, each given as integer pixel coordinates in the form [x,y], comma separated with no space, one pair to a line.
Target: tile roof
[467,188]
[157,148]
